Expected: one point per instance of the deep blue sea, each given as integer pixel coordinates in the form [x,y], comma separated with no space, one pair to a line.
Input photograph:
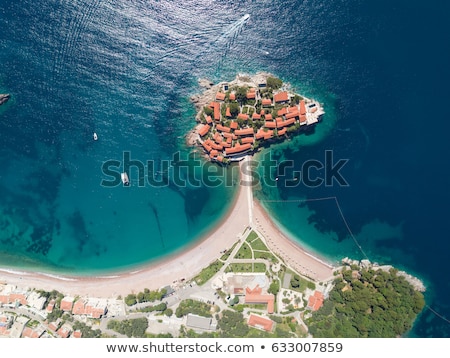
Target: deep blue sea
[126,70]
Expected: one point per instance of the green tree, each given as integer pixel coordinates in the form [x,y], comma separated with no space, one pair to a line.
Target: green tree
[274,287]
[130,300]
[241,95]
[375,304]
[274,83]
[295,281]
[208,111]
[234,109]
[131,327]
[232,325]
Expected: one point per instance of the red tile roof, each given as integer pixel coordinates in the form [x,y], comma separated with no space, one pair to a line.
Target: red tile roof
[268,134]
[238,149]
[63,332]
[282,131]
[292,115]
[66,304]
[302,118]
[222,128]
[268,117]
[220,96]
[18,297]
[260,134]
[245,131]
[202,131]
[218,137]
[243,116]
[271,124]
[282,111]
[228,113]
[315,301]
[216,107]
[207,145]
[286,123]
[256,116]
[250,140]
[302,107]
[30,333]
[216,146]
[79,307]
[281,97]
[251,95]
[256,296]
[232,96]
[208,119]
[260,322]
[234,125]
[266,102]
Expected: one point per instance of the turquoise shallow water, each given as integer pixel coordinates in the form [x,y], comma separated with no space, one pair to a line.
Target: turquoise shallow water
[126,70]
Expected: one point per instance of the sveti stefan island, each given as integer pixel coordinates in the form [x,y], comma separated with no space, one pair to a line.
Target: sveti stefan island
[246,278]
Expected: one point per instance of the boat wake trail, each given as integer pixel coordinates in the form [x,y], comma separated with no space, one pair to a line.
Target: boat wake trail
[205,44]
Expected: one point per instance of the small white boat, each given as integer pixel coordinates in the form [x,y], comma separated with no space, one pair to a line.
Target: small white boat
[246,17]
[95,136]
[124,177]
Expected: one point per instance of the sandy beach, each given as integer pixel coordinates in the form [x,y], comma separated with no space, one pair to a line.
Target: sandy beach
[294,256]
[154,276]
[244,212]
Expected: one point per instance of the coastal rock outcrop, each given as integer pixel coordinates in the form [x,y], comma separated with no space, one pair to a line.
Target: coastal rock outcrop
[4,98]
[366,264]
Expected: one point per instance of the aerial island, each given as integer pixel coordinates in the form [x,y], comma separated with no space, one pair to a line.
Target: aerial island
[236,118]
[246,278]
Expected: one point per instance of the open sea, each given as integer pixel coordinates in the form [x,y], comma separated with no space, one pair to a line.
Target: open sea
[126,70]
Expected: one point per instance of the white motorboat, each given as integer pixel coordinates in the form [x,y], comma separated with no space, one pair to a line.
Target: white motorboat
[124,177]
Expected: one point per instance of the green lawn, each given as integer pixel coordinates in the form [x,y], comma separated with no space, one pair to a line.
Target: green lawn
[208,272]
[265,255]
[246,267]
[252,236]
[245,252]
[259,245]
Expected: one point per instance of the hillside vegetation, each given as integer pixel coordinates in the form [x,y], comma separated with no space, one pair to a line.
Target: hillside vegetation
[367,303]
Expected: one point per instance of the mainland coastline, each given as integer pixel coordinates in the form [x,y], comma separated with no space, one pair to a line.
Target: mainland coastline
[245,218]
[185,264]
[189,260]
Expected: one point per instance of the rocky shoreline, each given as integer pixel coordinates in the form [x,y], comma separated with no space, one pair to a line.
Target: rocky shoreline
[414,281]
[4,98]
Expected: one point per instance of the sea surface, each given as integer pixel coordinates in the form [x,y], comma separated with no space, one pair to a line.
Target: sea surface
[126,70]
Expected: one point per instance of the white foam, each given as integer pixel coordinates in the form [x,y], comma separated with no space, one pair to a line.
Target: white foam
[62,278]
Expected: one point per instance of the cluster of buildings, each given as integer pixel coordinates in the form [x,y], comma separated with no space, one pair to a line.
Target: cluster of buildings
[24,313]
[234,135]
[252,289]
